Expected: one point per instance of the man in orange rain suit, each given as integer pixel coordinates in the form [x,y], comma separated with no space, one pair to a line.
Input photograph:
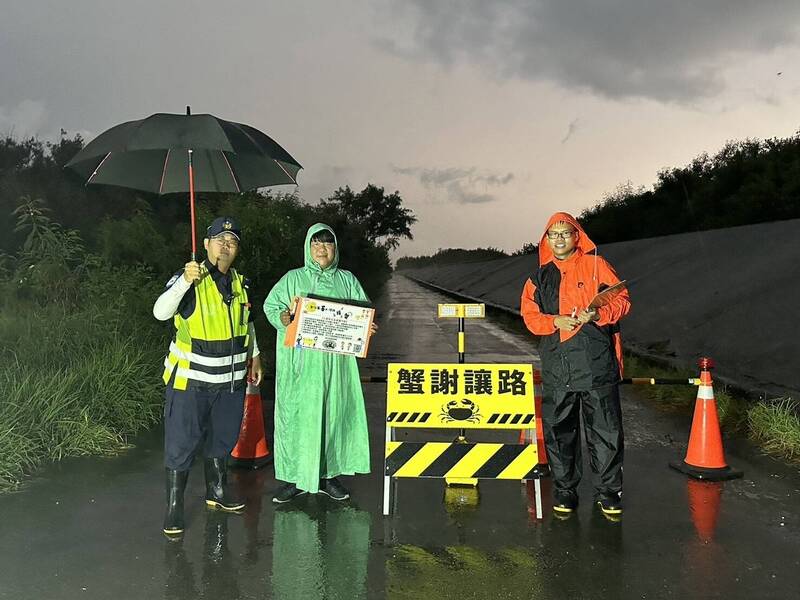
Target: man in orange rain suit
[581,362]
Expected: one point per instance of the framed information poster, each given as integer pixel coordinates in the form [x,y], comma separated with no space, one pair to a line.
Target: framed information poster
[330,327]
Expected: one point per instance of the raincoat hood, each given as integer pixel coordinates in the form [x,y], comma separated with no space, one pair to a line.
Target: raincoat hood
[583,246]
[310,263]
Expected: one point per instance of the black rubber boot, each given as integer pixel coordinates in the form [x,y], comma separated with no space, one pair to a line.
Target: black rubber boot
[610,504]
[217,495]
[565,501]
[176,484]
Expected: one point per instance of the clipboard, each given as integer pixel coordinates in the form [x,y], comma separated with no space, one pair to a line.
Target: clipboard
[608,294]
[329,326]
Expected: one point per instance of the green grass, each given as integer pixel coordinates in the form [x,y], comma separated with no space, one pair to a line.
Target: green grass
[80,353]
[674,397]
[73,383]
[772,424]
[776,426]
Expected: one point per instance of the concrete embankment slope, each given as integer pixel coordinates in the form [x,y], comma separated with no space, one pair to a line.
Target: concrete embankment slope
[732,294]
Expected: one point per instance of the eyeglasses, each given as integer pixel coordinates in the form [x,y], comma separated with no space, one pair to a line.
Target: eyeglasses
[229,242]
[554,235]
[328,245]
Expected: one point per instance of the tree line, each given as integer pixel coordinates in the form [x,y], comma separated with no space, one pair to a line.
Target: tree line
[450,256]
[80,268]
[750,181]
[127,228]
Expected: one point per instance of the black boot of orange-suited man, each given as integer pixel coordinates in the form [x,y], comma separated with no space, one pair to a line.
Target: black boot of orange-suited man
[217,495]
[176,484]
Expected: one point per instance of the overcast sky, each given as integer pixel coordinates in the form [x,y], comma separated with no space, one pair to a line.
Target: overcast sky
[487,116]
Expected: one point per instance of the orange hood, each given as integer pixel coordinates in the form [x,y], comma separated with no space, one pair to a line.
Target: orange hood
[584,245]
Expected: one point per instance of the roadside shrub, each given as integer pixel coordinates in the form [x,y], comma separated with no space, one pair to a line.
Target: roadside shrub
[80,353]
[776,426]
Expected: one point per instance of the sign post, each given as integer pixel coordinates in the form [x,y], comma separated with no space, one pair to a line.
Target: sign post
[461,312]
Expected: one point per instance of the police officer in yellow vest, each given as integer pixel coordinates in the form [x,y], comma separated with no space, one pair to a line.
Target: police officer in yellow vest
[213,351]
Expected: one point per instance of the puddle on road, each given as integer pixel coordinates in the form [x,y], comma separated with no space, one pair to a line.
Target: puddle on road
[569,559]
[316,555]
[320,554]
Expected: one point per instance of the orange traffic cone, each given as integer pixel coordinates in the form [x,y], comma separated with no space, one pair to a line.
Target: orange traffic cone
[704,499]
[251,450]
[704,457]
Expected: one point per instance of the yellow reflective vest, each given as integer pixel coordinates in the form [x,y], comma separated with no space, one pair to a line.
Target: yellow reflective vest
[210,347]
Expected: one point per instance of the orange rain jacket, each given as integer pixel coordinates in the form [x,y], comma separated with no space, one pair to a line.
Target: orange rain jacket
[590,356]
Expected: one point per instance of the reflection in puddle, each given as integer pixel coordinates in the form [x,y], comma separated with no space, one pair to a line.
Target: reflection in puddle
[706,564]
[219,570]
[704,500]
[320,555]
[535,570]
[180,580]
[319,551]
[249,485]
[220,578]
[461,571]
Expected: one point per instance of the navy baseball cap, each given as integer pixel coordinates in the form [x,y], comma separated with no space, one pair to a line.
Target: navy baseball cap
[224,225]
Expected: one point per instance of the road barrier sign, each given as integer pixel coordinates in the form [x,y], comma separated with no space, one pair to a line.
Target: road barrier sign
[460,396]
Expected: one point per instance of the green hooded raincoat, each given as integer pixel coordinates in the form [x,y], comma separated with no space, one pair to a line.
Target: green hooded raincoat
[320,420]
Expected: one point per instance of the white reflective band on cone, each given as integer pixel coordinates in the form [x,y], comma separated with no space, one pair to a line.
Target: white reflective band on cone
[706,392]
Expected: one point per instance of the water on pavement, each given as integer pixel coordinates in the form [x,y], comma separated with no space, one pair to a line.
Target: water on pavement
[90,528]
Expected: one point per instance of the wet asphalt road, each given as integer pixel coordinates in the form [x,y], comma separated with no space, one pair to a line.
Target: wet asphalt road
[90,528]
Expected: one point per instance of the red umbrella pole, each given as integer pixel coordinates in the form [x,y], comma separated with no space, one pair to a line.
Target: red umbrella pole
[191,206]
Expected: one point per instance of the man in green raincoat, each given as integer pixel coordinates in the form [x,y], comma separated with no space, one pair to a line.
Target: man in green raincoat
[320,420]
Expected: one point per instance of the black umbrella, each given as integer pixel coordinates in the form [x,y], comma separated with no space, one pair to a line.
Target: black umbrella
[169,154]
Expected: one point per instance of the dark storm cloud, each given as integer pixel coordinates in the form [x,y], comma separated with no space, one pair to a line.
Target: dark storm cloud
[89,64]
[573,127]
[322,181]
[464,186]
[457,193]
[435,177]
[667,50]
[497,179]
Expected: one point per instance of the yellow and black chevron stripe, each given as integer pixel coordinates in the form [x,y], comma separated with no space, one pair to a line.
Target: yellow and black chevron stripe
[512,418]
[479,460]
[499,418]
[408,417]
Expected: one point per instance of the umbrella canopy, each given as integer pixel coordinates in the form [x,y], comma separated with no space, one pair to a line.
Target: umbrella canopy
[152,155]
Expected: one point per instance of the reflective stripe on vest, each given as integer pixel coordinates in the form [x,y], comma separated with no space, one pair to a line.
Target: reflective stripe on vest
[208,361]
[221,378]
[206,351]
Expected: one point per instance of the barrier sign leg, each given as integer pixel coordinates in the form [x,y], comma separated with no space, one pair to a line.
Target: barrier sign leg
[387,480]
[537,486]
